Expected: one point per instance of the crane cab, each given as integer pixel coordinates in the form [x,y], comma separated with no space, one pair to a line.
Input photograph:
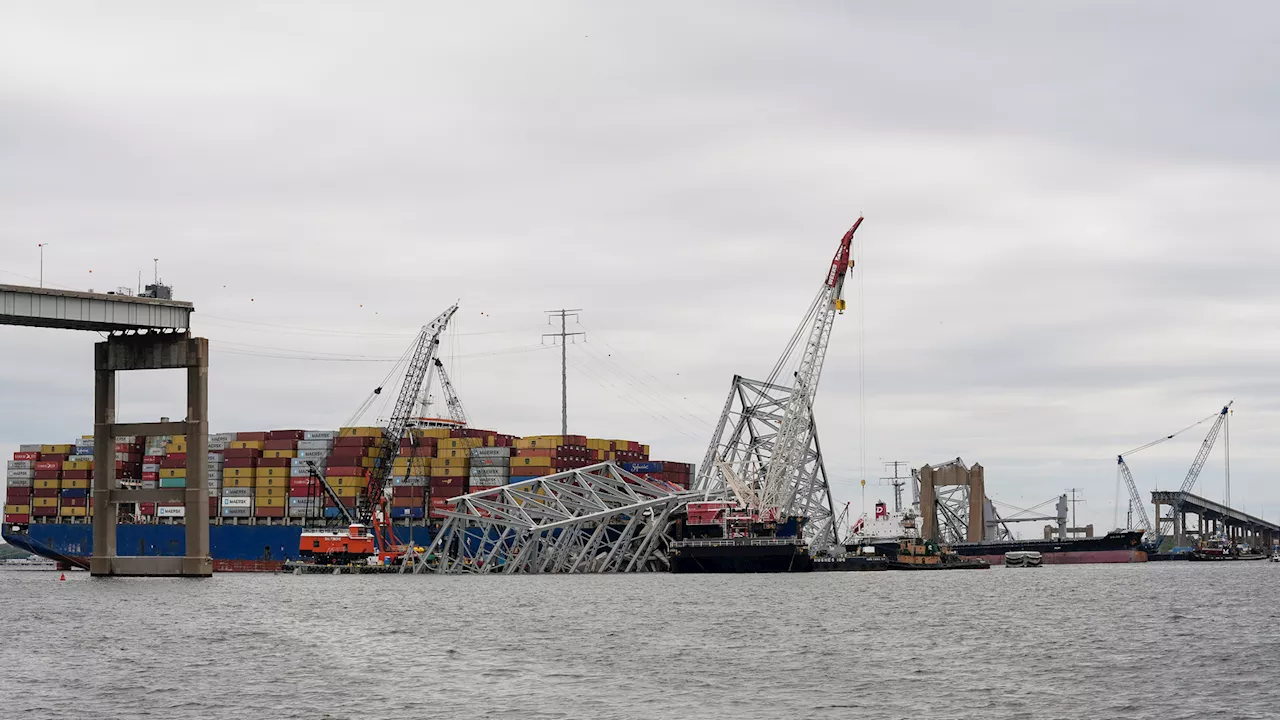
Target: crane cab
[335,547]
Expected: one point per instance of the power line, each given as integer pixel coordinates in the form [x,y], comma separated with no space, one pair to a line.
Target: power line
[642,387]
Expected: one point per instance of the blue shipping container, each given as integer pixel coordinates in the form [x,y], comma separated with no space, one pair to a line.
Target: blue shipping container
[411,513]
[75,493]
[641,467]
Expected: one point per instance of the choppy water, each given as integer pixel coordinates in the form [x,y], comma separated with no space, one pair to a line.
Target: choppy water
[1163,640]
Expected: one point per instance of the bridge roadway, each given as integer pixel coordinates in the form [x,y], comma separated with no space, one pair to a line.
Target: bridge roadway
[143,334]
[1213,518]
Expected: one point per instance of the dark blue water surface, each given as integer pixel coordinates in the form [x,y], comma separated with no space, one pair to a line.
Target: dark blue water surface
[1161,640]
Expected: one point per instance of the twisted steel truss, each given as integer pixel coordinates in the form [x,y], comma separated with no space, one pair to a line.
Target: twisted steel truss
[744,440]
[594,519]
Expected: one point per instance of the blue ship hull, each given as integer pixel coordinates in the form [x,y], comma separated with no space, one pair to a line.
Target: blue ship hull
[273,543]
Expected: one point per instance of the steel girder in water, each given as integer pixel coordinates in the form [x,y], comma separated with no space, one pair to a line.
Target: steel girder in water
[599,518]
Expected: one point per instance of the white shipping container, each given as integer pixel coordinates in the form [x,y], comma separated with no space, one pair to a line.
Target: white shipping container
[218,444]
[320,435]
[84,442]
[222,437]
[490,471]
[17,474]
[166,511]
[490,452]
[487,482]
[29,448]
[313,454]
[214,474]
[315,444]
[149,484]
[229,501]
[19,482]
[297,472]
[237,512]
[151,467]
[490,461]
[237,492]
[126,440]
[22,464]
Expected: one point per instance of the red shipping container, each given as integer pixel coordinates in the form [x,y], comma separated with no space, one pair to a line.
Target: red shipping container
[447,492]
[303,483]
[269,512]
[230,453]
[125,447]
[44,492]
[251,436]
[74,502]
[48,474]
[17,519]
[402,502]
[152,459]
[18,495]
[456,481]
[44,511]
[26,456]
[177,460]
[353,442]
[147,508]
[287,444]
[47,465]
[55,458]
[407,491]
[241,462]
[346,456]
[77,474]
[344,471]
[274,462]
[286,435]
[347,501]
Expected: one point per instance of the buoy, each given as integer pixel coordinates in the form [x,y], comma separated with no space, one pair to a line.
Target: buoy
[63,576]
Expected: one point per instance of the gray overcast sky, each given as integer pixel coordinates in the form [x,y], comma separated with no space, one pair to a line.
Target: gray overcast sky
[1068,248]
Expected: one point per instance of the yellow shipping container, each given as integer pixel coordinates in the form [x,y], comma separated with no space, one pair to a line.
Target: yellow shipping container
[266,472]
[75,484]
[360,432]
[173,472]
[242,481]
[463,462]
[448,471]
[348,491]
[540,441]
[645,449]
[437,433]
[273,482]
[237,472]
[461,443]
[178,439]
[248,444]
[261,501]
[56,449]
[77,464]
[368,462]
[73,511]
[453,453]
[45,501]
[530,462]
[280,453]
[598,444]
[347,481]
[46,484]
[260,493]
[18,509]
[175,447]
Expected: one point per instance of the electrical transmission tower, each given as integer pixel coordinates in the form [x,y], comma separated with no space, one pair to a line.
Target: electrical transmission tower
[564,315]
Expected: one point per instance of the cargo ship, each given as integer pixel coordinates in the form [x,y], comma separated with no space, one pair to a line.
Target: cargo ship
[723,536]
[263,496]
[1119,546]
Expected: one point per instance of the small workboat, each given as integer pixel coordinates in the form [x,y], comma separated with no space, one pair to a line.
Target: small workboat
[1022,558]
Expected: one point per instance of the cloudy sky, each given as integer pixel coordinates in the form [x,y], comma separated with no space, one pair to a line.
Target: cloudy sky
[1068,248]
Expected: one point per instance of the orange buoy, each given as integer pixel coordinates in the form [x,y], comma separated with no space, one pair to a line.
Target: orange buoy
[63,576]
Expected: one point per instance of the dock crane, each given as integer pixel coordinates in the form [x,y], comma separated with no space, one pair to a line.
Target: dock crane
[1154,532]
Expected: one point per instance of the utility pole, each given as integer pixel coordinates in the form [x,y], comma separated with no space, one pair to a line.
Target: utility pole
[898,482]
[564,315]
[41,246]
[1073,492]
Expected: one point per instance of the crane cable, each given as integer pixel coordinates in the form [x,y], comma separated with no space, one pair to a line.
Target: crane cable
[1170,437]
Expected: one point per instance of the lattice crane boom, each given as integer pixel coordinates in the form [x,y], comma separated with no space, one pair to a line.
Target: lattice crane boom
[1135,499]
[451,400]
[421,359]
[794,435]
[1193,473]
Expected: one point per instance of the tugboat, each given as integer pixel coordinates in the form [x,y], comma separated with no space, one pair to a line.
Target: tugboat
[1222,549]
[916,554]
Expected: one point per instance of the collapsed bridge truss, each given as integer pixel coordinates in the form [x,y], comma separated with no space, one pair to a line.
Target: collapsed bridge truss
[599,518]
